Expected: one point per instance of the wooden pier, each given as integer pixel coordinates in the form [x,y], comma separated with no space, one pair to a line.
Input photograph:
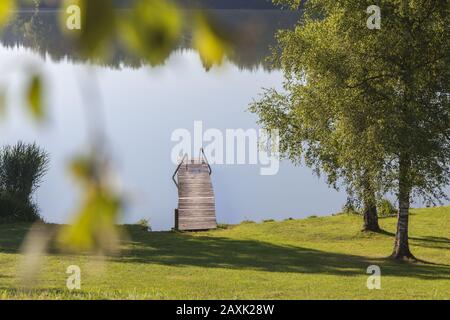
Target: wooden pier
[196,204]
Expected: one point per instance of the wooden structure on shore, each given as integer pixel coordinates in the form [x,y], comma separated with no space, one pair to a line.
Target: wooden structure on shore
[196,204]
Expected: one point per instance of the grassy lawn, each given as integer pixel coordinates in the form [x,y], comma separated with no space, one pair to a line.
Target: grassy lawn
[295,259]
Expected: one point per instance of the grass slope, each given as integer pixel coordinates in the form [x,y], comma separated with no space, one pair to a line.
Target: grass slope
[296,259]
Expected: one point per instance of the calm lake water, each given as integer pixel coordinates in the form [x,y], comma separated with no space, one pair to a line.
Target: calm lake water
[141,108]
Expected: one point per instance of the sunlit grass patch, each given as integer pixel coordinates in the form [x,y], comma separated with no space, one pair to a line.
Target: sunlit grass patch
[324,257]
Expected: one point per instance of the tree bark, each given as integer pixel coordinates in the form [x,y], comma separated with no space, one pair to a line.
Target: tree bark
[401,244]
[370,213]
[369,207]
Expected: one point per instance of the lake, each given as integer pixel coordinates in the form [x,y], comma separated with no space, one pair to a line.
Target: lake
[141,107]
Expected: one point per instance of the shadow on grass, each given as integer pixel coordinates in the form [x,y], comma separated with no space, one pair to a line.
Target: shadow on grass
[431,242]
[184,249]
[426,241]
[12,235]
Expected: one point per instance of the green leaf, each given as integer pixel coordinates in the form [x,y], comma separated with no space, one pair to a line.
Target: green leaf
[34,98]
[7,8]
[98,25]
[152,30]
[82,168]
[95,223]
[94,226]
[211,44]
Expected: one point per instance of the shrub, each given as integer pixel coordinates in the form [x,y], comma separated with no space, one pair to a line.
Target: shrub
[144,224]
[22,168]
[13,209]
[386,208]
[268,220]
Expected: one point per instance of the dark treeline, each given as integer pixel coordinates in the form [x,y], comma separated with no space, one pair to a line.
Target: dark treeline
[206,4]
[228,4]
[256,31]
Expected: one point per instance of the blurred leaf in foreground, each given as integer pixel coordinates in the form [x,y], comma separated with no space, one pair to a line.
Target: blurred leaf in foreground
[34,247]
[209,41]
[7,8]
[95,225]
[35,97]
[2,102]
[152,30]
[98,22]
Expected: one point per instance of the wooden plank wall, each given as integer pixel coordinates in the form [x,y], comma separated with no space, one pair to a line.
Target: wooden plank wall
[196,204]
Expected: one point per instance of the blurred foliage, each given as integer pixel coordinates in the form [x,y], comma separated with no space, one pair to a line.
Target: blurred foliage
[97,28]
[2,102]
[7,8]
[151,31]
[34,97]
[252,34]
[211,47]
[94,226]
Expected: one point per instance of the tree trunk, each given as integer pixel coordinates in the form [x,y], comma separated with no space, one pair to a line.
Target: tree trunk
[401,245]
[370,213]
[369,204]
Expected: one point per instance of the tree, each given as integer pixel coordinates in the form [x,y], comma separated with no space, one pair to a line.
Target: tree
[307,115]
[368,107]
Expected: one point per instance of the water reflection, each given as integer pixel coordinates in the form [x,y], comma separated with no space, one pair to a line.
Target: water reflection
[143,106]
[253,33]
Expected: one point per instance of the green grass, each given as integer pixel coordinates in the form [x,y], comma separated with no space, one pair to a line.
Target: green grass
[324,257]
